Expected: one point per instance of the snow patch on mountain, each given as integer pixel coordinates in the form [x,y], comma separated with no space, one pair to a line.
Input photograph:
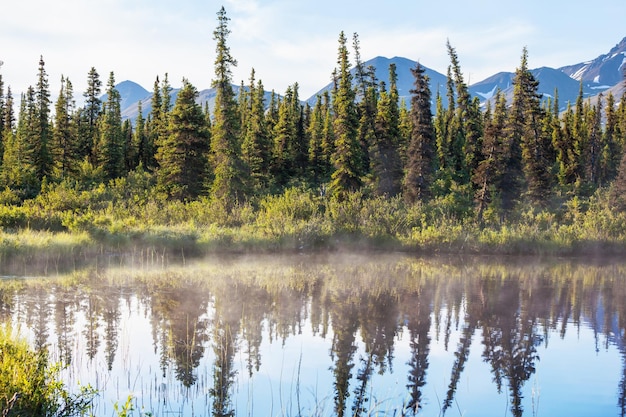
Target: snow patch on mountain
[488,95]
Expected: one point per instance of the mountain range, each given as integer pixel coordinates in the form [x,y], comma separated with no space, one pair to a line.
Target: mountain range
[600,75]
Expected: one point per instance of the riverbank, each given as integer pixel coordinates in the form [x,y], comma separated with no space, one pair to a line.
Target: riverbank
[65,221]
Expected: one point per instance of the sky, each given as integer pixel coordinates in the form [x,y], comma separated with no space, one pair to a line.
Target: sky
[289,41]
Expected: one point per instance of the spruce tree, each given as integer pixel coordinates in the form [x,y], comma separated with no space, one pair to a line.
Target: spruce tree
[284,138]
[367,95]
[182,156]
[526,118]
[229,186]
[316,131]
[594,133]
[65,137]
[256,141]
[18,168]
[488,176]
[420,157]
[88,134]
[40,147]
[346,158]
[611,151]
[142,142]
[8,124]
[110,151]
[386,159]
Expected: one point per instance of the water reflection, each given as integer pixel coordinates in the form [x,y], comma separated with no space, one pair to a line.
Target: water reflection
[400,335]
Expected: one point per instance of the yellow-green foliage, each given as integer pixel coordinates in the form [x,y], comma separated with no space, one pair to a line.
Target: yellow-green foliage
[30,385]
[130,212]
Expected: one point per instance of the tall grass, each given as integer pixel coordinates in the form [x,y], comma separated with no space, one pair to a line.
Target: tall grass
[64,219]
[30,385]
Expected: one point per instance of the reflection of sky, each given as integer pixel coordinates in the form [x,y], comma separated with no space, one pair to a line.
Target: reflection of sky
[575,376]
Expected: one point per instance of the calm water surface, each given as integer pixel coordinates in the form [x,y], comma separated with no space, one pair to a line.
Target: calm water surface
[334,335]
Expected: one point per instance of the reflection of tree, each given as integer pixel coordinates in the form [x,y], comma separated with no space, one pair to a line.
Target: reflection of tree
[228,308]
[417,308]
[64,320]
[379,326]
[345,323]
[37,315]
[180,310]
[6,303]
[111,316]
[510,337]
[91,309]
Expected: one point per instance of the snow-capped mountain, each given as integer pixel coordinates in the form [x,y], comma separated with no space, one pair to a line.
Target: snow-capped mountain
[405,78]
[600,75]
[604,71]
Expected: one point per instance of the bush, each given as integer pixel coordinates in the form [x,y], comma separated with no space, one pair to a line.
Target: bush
[29,384]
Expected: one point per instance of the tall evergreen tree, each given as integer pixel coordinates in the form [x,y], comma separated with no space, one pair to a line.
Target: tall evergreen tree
[581,139]
[316,133]
[182,156]
[611,151]
[386,159]
[421,157]
[65,137]
[346,158]
[229,186]
[40,146]
[367,95]
[143,144]
[88,131]
[594,117]
[111,146]
[8,124]
[285,139]
[256,141]
[489,174]
[526,119]
[18,168]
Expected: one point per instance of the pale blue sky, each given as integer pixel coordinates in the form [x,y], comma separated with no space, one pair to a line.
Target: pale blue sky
[289,41]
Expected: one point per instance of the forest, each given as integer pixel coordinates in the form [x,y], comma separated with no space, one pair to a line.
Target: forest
[357,168]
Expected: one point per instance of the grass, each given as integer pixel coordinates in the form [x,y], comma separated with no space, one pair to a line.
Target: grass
[30,384]
[64,222]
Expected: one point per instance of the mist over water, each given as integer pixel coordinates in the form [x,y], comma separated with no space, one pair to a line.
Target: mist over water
[334,335]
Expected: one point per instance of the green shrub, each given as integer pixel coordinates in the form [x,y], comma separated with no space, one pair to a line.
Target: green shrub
[30,385]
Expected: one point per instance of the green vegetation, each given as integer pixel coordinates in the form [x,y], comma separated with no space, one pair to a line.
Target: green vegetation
[30,385]
[358,169]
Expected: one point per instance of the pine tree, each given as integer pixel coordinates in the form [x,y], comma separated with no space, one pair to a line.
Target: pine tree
[8,124]
[155,128]
[386,159]
[88,130]
[182,156]
[40,147]
[346,158]
[2,110]
[421,158]
[594,116]
[581,139]
[489,173]
[229,186]
[367,95]
[284,137]
[143,144]
[526,118]
[111,146]
[129,150]
[256,142]
[65,137]
[610,152]
[317,168]
[18,168]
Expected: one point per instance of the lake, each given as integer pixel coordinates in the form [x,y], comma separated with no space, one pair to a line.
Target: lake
[331,334]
